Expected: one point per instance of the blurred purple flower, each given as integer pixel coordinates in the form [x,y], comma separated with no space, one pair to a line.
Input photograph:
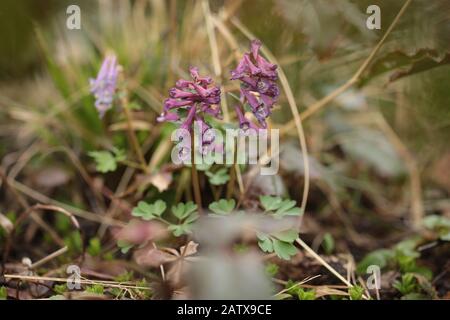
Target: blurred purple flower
[258,82]
[104,86]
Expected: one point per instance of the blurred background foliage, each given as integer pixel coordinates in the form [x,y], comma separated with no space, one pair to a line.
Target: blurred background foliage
[45,70]
[45,105]
[320,43]
[45,67]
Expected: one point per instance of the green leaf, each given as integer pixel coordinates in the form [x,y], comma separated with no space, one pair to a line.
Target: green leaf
[124,246]
[95,289]
[291,287]
[271,269]
[419,44]
[265,243]
[94,247]
[287,236]
[187,214]
[408,247]
[407,284]
[126,276]
[270,203]
[194,216]
[281,207]
[119,154]
[283,249]
[380,257]
[104,161]
[178,210]
[287,209]
[218,178]
[445,237]
[328,243]
[73,241]
[434,221]
[305,294]
[3,293]
[159,207]
[222,206]
[183,210]
[149,211]
[440,224]
[60,288]
[143,210]
[180,229]
[285,206]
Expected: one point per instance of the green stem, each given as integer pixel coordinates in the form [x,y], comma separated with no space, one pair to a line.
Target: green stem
[195,182]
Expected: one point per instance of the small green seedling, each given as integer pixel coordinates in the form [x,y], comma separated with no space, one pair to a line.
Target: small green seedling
[356,292]
[407,284]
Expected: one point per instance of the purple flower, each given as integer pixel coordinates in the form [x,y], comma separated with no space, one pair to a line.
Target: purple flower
[104,86]
[258,83]
[244,123]
[207,137]
[196,98]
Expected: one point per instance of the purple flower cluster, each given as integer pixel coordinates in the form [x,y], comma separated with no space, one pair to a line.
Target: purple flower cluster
[197,97]
[190,100]
[104,86]
[258,84]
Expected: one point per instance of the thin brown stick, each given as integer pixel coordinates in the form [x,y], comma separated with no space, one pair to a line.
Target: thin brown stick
[76,211]
[51,256]
[295,285]
[110,284]
[325,264]
[36,218]
[29,212]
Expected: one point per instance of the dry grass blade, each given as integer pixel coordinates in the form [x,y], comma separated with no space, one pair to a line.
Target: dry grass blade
[325,264]
[214,52]
[51,256]
[111,284]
